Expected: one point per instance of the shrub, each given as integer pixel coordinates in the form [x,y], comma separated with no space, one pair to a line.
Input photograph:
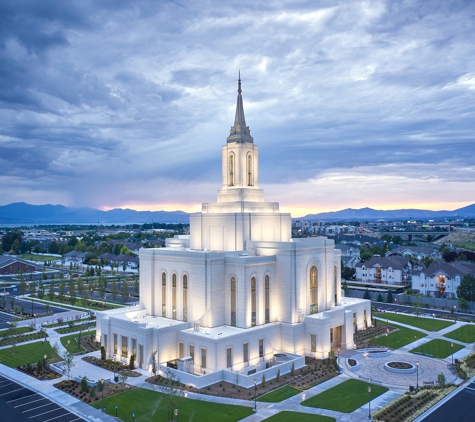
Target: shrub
[39,367]
[84,386]
[92,392]
[103,353]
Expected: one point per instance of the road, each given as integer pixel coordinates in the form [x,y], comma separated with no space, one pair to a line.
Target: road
[403,309]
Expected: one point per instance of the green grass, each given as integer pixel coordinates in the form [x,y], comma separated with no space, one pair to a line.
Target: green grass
[438,348]
[78,304]
[19,330]
[39,258]
[466,333]
[152,406]
[301,417]
[74,346]
[465,245]
[345,397]
[427,324]
[28,353]
[280,394]
[399,338]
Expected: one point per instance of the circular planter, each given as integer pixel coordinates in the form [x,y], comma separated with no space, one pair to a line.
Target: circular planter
[400,367]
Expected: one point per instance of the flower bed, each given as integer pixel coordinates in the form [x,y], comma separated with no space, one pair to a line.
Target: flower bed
[111,365]
[20,338]
[30,370]
[400,367]
[409,406]
[91,394]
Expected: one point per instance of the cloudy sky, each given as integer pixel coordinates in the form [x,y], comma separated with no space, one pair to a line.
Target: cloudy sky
[110,103]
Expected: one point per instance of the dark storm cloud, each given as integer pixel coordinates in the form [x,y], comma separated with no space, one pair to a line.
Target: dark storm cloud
[119,93]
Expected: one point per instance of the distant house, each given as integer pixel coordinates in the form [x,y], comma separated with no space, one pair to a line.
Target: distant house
[392,270]
[12,265]
[350,261]
[441,279]
[75,256]
[417,252]
[348,250]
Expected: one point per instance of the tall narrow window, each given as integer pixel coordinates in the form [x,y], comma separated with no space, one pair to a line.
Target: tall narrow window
[245,352]
[253,301]
[125,341]
[313,290]
[174,296]
[203,357]
[261,347]
[335,282]
[164,295]
[192,352]
[185,298]
[313,343]
[181,349]
[115,343]
[231,170]
[229,357]
[134,347]
[249,170]
[331,336]
[354,322]
[267,300]
[233,301]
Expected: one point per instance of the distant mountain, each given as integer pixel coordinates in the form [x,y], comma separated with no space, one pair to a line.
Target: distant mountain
[22,213]
[372,214]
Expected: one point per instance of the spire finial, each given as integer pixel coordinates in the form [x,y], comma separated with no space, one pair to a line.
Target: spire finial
[239,83]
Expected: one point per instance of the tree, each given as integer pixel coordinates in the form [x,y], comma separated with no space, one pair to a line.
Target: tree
[154,363]
[22,284]
[124,291]
[397,240]
[366,295]
[51,292]
[62,289]
[103,353]
[68,360]
[11,334]
[417,305]
[39,366]
[32,289]
[380,298]
[466,289]
[3,302]
[344,286]
[101,285]
[365,253]
[348,273]
[41,290]
[123,377]
[53,248]
[72,292]
[389,298]
[114,290]
[84,386]
[172,392]
[263,383]
[441,380]
[136,286]
[9,238]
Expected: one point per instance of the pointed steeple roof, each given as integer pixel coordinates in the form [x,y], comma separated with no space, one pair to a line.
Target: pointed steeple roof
[240,132]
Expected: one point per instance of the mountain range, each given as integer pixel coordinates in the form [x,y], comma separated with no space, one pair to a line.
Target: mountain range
[22,213]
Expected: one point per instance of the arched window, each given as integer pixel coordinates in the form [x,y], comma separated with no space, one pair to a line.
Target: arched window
[335,281]
[185,298]
[267,299]
[231,169]
[313,290]
[174,296]
[164,295]
[253,301]
[249,170]
[233,301]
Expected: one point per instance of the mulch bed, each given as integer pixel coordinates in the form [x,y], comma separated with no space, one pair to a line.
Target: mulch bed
[363,338]
[31,371]
[112,365]
[73,388]
[316,372]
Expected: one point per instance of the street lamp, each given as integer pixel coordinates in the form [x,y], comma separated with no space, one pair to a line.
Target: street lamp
[417,367]
[452,345]
[102,388]
[338,360]
[176,415]
[44,366]
[69,341]
[433,318]
[369,402]
[116,407]
[255,395]
[133,416]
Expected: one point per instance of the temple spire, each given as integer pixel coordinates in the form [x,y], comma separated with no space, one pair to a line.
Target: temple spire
[239,127]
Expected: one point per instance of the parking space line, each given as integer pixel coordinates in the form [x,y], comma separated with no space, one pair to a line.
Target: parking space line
[77,419]
[24,404]
[56,417]
[3,382]
[37,407]
[4,394]
[6,380]
[41,414]
[24,397]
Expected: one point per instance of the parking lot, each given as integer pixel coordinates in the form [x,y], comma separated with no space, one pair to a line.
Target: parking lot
[460,408]
[18,403]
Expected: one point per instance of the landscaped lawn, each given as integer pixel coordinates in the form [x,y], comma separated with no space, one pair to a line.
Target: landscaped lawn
[280,394]
[465,333]
[345,397]
[39,258]
[78,304]
[301,417]
[438,348]
[152,406]
[428,324]
[400,338]
[74,346]
[19,330]
[28,353]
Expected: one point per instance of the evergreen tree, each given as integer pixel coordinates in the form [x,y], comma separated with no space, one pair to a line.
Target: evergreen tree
[380,298]
[366,295]
[114,290]
[389,299]
[62,289]
[22,284]
[124,290]
[72,291]
[51,290]
[41,290]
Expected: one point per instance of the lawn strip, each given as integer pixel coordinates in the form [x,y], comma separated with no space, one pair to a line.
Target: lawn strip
[280,394]
[438,348]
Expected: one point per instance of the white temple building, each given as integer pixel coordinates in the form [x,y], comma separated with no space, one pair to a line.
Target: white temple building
[237,296]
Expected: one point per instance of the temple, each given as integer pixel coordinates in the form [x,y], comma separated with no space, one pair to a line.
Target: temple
[238,296]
